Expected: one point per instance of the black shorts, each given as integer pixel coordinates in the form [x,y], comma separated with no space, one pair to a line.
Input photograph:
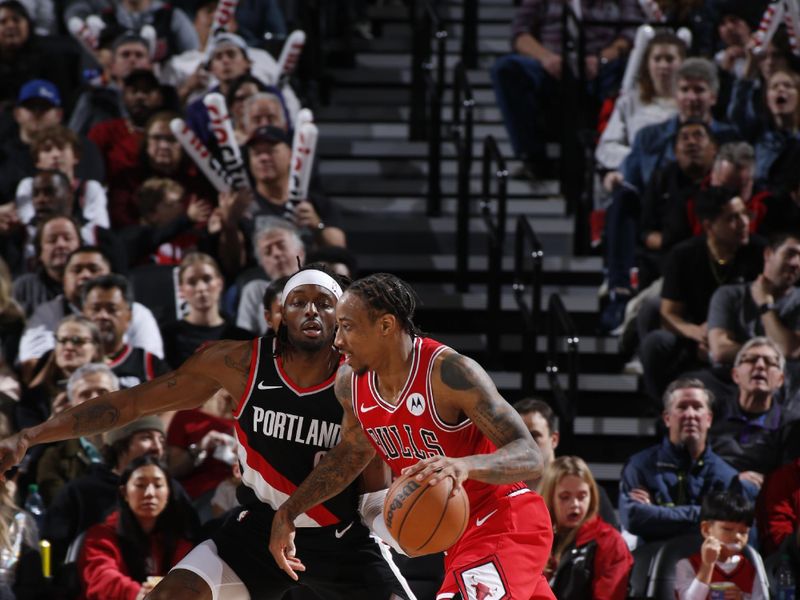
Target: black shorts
[342,561]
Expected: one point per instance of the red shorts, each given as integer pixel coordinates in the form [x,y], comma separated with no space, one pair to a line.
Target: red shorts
[502,553]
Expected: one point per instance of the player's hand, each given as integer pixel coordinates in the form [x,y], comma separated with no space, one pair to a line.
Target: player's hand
[281,544]
[639,495]
[305,215]
[440,467]
[710,550]
[12,451]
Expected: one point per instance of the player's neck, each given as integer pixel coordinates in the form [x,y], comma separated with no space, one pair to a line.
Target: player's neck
[307,369]
[392,374]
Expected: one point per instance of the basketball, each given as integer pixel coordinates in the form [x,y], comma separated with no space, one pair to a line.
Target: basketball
[424,519]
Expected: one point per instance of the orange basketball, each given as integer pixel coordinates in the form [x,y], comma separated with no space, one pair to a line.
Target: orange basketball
[424,519]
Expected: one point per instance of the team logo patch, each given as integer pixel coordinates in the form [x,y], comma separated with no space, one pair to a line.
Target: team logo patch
[482,582]
[416,404]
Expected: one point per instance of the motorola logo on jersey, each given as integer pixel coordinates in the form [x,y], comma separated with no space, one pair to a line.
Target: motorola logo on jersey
[408,443]
[295,428]
[415,404]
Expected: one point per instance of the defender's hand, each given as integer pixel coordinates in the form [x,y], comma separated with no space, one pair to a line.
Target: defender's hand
[281,544]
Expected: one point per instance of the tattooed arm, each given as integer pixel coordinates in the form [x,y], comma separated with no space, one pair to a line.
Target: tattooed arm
[461,387]
[332,475]
[188,387]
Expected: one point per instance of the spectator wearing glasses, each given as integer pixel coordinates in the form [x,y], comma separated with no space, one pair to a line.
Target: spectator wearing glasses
[769,306]
[747,429]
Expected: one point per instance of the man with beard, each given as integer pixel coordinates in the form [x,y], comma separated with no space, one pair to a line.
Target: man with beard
[108,301]
[120,139]
[287,418]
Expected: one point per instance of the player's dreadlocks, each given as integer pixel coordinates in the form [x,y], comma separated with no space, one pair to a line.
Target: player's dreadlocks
[386,293]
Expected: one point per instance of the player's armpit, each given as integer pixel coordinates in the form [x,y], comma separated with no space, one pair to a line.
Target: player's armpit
[463,385]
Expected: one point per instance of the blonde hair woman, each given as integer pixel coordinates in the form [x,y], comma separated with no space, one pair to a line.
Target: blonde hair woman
[589,558]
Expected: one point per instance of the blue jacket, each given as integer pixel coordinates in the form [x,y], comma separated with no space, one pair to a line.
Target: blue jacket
[653,148]
[676,486]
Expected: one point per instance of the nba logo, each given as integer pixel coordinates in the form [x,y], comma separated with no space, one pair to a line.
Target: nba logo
[416,404]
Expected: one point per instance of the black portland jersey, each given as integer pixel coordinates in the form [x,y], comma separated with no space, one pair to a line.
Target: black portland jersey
[283,431]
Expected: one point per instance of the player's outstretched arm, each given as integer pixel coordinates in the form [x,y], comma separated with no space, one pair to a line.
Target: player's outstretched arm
[460,385]
[338,469]
[188,387]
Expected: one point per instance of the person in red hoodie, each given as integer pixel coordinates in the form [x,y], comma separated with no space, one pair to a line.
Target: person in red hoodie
[124,557]
[778,507]
[589,558]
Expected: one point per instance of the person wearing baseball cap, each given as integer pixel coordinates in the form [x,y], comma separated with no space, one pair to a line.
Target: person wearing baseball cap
[269,155]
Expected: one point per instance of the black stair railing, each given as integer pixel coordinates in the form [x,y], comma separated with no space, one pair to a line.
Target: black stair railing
[560,326]
[494,169]
[469,34]
[427,87]
[461,132]
[528,257]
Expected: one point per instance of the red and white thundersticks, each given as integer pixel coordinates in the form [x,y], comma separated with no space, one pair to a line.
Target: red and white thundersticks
[223,15]
[290,54]
[223,130]
[785,11]
[195,148]
[304,146]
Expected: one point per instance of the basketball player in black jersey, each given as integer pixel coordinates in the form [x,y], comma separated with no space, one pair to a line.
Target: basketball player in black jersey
[287,418]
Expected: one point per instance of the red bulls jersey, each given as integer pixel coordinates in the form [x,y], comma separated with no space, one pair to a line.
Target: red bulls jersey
[283,431]
[411,430]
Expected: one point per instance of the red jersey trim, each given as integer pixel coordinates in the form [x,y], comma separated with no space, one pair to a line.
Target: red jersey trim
[429,389]
[148,366]
[259,464]
[120,358]
[412,375]
[301,391]
[251,379]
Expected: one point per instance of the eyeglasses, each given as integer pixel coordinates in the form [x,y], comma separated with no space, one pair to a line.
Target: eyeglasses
[75,340]
[752,359]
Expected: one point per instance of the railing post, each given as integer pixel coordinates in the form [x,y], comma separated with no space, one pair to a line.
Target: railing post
[526,237]
[435,87]
[420,57]
[469,34]
[493,158]
[462,138]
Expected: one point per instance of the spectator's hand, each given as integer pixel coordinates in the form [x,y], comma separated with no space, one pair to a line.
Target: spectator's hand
[214,224]
[654,240]
[591,66]
[9,219]
[612,180]
[196,81]
[305,215]
[639,495]
[698,333]
[753,477]
[213,439]
[233,205]
[552,64]
[710,550]
[60,403]
[759,292]
[730,56]
[198,210]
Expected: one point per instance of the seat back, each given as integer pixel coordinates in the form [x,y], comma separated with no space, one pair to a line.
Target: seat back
[642,566]
[156,286]
[661,584]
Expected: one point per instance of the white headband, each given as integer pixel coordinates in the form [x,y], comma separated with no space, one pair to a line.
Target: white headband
[312,277]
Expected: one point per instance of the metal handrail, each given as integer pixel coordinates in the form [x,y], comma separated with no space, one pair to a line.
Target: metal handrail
[469,33]
[528,276]
[497,233]
[560,325]
[461,131]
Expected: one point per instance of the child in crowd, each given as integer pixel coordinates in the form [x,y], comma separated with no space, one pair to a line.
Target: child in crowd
[589,558]
[720,565]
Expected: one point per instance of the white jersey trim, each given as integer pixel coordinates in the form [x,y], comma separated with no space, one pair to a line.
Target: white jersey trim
[252,376]
[264,491]
[205,562]
[412,374]
[387,556]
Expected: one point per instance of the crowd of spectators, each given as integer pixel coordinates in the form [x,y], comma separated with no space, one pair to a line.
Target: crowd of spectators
[696,211]
[120,259]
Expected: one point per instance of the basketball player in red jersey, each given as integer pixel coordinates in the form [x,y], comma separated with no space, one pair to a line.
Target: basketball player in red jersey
[287,417]
[425,409]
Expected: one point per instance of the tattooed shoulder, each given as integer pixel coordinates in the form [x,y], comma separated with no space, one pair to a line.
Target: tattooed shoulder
[456,372]
[344,384]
